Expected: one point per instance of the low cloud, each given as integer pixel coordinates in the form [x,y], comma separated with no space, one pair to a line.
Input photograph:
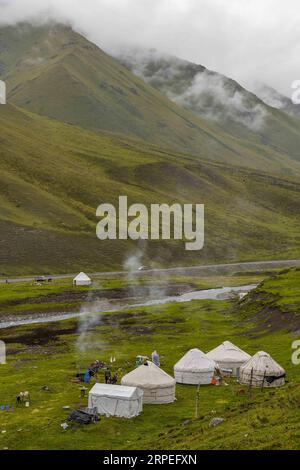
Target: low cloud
[210,96]
[207,93]
[244,40]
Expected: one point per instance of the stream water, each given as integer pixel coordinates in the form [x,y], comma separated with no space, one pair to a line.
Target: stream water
[221,293]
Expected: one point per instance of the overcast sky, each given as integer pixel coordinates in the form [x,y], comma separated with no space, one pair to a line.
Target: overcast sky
[244,39]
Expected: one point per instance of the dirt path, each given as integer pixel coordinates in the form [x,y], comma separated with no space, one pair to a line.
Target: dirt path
[202,269]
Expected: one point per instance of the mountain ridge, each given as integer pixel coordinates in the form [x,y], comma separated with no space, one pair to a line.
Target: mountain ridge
[217,98]
[90,89]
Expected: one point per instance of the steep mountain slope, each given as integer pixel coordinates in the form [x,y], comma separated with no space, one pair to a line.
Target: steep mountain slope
[56,72]
[53,176]
[218,99]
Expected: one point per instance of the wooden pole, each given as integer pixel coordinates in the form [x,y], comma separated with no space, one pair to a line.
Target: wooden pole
[250,384]
[197,402]
[263,380]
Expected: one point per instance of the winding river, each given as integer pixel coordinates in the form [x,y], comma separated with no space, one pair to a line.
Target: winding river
[221,293]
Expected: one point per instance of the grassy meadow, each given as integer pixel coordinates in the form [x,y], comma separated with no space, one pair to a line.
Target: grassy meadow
[51,354]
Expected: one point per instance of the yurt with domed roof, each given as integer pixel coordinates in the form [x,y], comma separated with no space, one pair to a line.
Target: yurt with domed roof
[262,371]
[194,368]
[158,387]
[229,357]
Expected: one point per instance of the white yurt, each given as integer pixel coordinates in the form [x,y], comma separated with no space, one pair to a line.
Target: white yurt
[229,357]
[194,368]
[158,386]
[116,400]
[260,370]
[82,279]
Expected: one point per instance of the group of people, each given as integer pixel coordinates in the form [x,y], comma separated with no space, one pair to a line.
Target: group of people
[93,370]
[95,366]
[109,377]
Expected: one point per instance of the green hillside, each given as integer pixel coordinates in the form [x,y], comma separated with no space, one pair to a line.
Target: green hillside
[88,130]
[274,305]
[54,176]
[53,71]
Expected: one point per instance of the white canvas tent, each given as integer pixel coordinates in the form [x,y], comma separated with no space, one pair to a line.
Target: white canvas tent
[157,385]
[262,370]
[82,280]
[194,368]
[115,400]
[228,356]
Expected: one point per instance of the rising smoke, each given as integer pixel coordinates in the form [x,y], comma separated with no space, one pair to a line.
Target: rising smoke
[89,318]
[144,284]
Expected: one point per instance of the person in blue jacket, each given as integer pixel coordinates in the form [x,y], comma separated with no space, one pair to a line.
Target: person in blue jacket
[87,377]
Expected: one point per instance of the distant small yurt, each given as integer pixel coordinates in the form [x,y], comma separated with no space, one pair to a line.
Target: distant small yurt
[115,400]
[158,387]
[229,357]
[262,370]
[82,279]
[194,368]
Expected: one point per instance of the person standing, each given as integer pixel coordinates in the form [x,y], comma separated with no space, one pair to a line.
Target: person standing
[155,358]
[107,375]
